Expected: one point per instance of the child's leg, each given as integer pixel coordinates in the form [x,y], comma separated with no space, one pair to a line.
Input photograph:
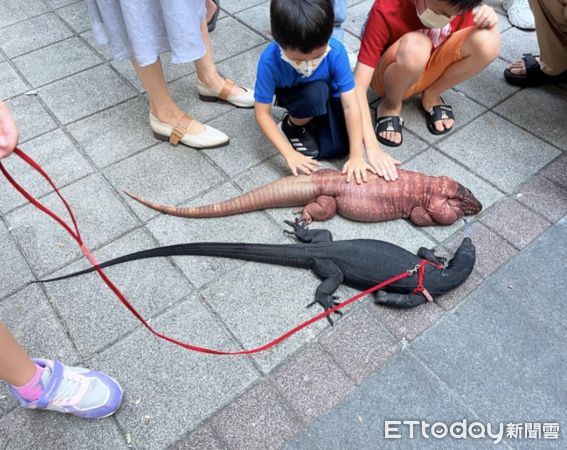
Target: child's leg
[340,8]
[333,140]
[303,102]
[16,367]
[400,68]
[479,49]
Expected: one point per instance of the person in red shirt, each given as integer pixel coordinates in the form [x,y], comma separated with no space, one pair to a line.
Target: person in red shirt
[412,47]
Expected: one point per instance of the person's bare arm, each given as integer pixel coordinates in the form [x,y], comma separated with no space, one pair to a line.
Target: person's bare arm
[356,165]
[9,134]
[295,160]
[382,162]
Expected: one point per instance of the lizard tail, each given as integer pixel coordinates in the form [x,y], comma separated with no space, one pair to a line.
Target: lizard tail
[291,255]
[285,192]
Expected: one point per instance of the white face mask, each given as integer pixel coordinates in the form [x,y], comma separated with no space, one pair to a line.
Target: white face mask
[433,20]
[306,68]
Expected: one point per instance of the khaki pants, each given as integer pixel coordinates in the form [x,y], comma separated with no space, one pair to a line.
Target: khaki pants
[551,28]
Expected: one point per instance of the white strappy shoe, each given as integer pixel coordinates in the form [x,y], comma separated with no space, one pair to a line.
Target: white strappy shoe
[209,138]
[244,100]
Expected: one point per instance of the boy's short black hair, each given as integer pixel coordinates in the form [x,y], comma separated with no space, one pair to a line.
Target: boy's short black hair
[464,5]
[302,25]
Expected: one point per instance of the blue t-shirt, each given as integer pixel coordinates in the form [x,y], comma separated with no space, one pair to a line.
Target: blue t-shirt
[273,72]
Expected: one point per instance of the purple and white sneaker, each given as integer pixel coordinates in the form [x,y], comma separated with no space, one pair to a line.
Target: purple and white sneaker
[75,390]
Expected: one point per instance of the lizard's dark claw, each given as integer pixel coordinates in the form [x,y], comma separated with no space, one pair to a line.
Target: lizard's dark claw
[311,304]
[330,320]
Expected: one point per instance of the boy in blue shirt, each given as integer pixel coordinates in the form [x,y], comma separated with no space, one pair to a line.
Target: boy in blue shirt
[308,72]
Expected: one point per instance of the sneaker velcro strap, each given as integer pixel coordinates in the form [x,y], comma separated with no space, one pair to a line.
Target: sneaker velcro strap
[180,128]
[52,386]
[226,89]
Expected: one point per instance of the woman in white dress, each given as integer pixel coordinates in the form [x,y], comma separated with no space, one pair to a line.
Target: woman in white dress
[140,30]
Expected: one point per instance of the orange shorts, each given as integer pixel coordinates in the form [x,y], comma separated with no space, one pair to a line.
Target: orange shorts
[449,52]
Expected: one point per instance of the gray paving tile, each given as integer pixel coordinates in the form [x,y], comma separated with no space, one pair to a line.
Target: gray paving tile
[515,42]
[311,383]
[101,217]
[85,93]
[557,171]
[233,6]
[434,163]
[489,86]
[32,34]
[497,5]
[57,60]
[161,174]
[531,280]
[10,82]
[77,16]
[356,16]
[15,273]
[487,357]
[258,18]
[255,228]
[491,250]
[247,142]
[242,68]
[259,302]
[104,50]
[120,132]
[30,116]
[504,154]
[544,197]
[55,4]
[455,297]
[184,92]
[11,11]
[549,122]
[465,111]
[58,430]
[171,390]
[359,345]
[202,438]
[258,419]
[517,224]
[231,37]
[503,22]
[404,390]
[36,328]
[407,324]
[94,316]
[59,158]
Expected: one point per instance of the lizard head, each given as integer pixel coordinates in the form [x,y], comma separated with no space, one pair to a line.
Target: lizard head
[465,200]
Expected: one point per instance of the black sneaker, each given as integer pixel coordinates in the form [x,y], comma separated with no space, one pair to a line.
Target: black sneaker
[300,138]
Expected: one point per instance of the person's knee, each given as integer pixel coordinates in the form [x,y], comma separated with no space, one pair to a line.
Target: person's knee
[414,52]
[317,92]
[484,45]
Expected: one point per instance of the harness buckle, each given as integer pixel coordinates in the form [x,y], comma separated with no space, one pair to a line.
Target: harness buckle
[414,270]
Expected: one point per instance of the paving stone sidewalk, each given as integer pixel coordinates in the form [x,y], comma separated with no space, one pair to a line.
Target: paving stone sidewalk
[83,117]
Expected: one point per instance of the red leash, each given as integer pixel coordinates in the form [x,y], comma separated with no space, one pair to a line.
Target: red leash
[74,232]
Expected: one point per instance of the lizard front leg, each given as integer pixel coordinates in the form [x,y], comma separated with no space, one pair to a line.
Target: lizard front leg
[332,277]
[304,234]
[399,300]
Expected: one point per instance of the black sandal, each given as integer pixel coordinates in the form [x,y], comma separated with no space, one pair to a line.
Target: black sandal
[437,113]
[534,76]
[389,123]
[213,22]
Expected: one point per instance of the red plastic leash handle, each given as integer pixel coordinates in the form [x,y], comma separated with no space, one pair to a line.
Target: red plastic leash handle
[86,251]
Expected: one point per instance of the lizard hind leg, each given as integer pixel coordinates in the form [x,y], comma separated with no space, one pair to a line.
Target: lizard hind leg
[399,300]
[332,277]
[323,208]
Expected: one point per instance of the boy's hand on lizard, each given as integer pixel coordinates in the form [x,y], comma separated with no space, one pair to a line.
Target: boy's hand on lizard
[383,163]
[357,166]
[299,163]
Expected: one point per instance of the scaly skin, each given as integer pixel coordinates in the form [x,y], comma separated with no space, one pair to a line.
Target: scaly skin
[424,199]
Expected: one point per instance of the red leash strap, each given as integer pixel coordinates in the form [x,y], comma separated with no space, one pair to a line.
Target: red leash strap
[420,289]
[86,251]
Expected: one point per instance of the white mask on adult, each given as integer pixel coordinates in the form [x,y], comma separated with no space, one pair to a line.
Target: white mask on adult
[433,20]
[308,67]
